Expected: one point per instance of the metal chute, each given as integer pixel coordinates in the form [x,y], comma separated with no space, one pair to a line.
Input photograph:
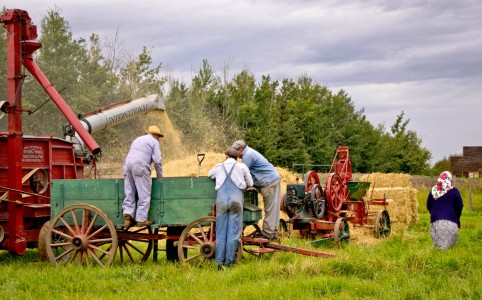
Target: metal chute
[112,115]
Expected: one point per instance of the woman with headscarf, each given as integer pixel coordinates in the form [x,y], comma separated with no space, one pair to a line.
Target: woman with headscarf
[445,206]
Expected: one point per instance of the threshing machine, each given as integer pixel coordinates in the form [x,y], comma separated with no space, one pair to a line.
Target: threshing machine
[47,201]
[29,163]
[324,211]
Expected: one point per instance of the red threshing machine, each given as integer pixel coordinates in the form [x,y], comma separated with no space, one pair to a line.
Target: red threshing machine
[29,163]
[324,212]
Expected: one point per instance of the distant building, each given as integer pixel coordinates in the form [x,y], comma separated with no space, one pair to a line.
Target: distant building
[469,164]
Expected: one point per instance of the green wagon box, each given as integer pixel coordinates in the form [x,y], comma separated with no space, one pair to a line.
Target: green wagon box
[175,201]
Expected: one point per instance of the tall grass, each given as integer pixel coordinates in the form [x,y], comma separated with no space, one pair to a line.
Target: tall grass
[403,266]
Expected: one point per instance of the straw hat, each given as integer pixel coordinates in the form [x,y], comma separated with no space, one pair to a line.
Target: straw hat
[154,130]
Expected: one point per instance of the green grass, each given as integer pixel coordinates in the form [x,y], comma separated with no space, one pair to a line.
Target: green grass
[403,266]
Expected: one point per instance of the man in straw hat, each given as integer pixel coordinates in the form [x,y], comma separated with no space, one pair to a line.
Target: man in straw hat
[267,179]
[231,179]
[145,150]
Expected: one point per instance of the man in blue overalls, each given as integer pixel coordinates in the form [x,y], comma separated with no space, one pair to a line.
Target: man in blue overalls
[231,179]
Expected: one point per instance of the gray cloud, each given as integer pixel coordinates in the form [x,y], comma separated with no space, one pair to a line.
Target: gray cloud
[419,56]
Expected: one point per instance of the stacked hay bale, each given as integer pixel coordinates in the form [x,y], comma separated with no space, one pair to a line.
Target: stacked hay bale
[402,196]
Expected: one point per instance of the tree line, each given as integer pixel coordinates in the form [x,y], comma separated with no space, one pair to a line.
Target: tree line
[290,121]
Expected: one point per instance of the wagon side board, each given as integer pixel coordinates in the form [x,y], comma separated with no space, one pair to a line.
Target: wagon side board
[175,201]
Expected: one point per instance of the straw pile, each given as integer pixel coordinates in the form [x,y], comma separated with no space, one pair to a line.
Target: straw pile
[402,196]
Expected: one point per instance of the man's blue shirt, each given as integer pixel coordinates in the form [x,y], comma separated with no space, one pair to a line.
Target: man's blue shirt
[262,171]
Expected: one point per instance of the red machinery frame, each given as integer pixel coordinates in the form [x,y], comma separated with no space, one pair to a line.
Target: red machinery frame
[318,211]
[23,201]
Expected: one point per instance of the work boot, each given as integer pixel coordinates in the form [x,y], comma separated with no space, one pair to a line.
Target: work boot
[128,221]
[144,223]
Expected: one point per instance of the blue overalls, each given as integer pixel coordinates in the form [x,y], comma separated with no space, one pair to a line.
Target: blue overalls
[229,220]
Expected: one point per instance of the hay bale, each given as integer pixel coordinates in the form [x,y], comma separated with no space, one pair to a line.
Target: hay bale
[381,180]
[403,207]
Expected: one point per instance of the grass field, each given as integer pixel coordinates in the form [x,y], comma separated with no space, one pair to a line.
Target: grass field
[403,266]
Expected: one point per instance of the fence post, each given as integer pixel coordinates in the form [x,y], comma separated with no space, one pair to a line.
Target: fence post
[470,198]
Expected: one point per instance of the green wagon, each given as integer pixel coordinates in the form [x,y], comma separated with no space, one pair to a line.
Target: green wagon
[87,221]
[86,227]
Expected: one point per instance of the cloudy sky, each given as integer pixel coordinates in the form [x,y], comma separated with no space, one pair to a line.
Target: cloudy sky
[423,57]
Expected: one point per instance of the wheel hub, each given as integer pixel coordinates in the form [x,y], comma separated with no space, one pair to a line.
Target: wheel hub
[80,242]
[207,250]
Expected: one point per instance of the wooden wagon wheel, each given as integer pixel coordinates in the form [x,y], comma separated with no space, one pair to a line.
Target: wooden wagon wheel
[81,234]
[133,247]
[42,241]
[382,226]
[317,201]
[335,192]
[311,178]
[197,242]
[341,233]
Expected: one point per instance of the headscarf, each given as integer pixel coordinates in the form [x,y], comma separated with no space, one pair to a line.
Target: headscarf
[444,184]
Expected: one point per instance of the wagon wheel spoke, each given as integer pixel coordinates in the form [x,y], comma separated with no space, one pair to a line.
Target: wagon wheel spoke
[133,247]
[196,238]
[72,232]
[201,261]
[61,256]
[97,231]
[123,248]
[205,238]
[89,228]
[72,257]
[76,224]
[95,257]
[92,247]
[87,260]
[108,249]
[193,257]
[69,241]
[84,217]
[61,233]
